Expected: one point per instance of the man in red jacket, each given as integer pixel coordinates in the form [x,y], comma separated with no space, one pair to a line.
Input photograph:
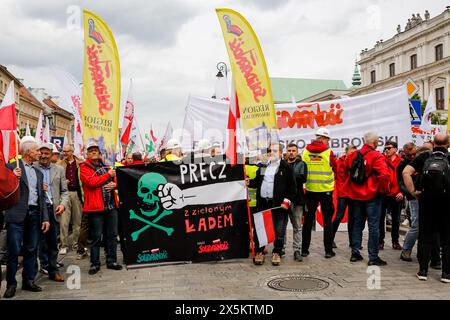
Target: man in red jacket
[100,202]
[343,202]
[366,199]
[394,199]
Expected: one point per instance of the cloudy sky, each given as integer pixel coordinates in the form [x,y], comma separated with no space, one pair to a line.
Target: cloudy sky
[171,47]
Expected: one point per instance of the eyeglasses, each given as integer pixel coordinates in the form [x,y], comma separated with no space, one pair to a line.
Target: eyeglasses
[387,148]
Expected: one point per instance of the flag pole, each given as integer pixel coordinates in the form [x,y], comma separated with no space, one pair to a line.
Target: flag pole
[17,148]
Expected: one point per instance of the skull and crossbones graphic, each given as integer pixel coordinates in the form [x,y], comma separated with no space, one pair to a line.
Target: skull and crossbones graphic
[150,192]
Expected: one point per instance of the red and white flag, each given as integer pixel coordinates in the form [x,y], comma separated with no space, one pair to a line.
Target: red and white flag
[264,227]
[233,118]
[152,135]
[8,124]
[39,134]
[128,116]
[46,136]
[167,136]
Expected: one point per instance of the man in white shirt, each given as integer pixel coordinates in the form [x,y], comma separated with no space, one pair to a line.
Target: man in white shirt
[276,188]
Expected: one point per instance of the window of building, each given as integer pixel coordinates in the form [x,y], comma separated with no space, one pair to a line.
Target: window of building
[440,99]
[392,70]
[372,76]
[413,59]
[439,52]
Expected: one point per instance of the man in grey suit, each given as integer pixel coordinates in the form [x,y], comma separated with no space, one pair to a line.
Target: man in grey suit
[25,221]
[57,199]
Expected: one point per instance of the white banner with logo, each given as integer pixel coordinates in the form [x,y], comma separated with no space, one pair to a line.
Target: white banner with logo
[385,112]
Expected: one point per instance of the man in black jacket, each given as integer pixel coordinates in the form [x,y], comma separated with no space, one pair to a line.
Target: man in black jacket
[409,153]
[433,218]
[276,188]
[297,207]
[26,220]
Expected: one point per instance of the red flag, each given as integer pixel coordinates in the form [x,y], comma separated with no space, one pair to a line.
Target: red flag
[233,116]
[264,227]
[8,119]
[128,116]
[8,124]
[8,141]
[152,135]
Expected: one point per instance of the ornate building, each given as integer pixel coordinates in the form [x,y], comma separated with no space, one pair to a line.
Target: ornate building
[420,52]
[30,102]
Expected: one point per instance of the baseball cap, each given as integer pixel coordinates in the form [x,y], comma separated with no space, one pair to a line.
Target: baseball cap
[46,145]
[91,144]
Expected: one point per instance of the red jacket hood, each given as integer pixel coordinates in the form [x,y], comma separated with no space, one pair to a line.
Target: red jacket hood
[316,146]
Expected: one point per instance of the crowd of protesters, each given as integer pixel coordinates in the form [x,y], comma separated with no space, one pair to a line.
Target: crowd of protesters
[45,196]
[368,185]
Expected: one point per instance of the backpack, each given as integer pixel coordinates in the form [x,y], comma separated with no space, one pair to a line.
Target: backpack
[435,179]
[358,168]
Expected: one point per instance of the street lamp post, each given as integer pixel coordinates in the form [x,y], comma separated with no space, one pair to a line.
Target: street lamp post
[221,90]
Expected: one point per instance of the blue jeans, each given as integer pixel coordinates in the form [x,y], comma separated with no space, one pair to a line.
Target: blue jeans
[106,221]
[413,232]
[371,210]
[28,233]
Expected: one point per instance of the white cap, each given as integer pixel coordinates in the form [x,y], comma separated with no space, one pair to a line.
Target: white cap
[92,143]
[204,144]
[173,144]
[323,132]
[46,145]
[27,138]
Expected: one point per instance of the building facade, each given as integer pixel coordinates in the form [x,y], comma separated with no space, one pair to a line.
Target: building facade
[420,52]
[31,102]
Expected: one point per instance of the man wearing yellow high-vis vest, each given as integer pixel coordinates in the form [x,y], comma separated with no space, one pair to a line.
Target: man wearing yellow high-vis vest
[321,165]
[173,151]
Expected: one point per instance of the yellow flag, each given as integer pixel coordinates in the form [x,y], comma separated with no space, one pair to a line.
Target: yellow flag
[101,86]
[250,75]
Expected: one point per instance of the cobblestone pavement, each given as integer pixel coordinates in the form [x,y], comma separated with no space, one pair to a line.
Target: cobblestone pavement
[240,279]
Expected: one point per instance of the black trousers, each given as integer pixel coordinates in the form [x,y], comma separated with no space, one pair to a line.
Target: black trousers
[48,247]
[326,203]
[434,221]
[342,205]
[395,208]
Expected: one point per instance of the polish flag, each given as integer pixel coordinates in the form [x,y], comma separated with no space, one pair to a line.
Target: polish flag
[8,124]
[264,227]
[154,250]
[8,120]
[128,116]
[233,118]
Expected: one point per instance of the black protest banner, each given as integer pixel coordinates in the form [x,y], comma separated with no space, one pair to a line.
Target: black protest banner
[183,212]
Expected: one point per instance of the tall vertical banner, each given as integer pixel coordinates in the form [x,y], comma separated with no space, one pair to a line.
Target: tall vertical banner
[251,79]
[187,212]
[101,86]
